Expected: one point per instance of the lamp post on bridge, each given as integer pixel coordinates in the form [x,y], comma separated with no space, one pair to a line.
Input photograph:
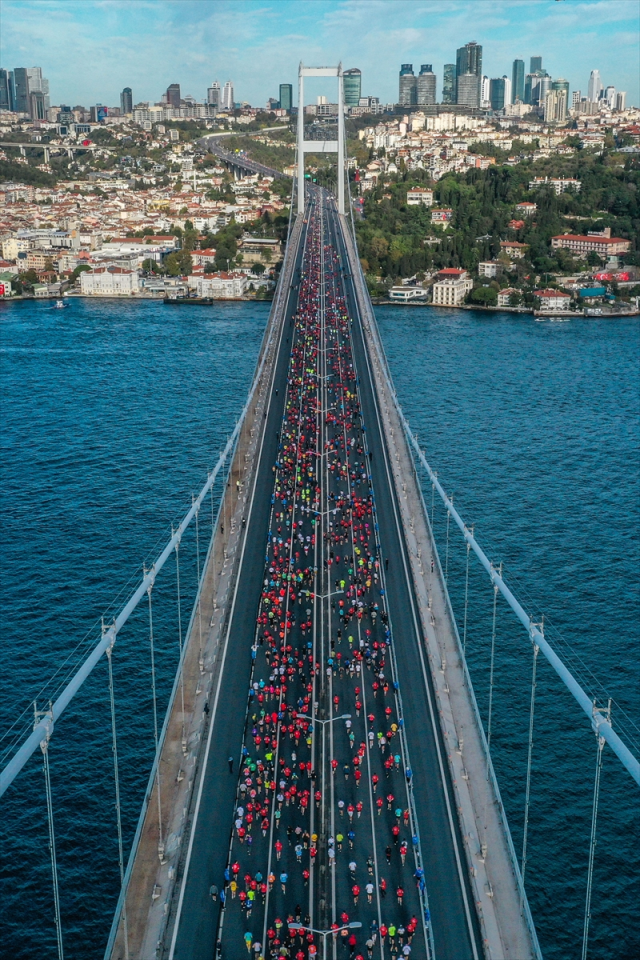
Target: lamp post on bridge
[354,925]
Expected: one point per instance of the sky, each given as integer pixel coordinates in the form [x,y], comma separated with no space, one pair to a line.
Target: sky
[90,49]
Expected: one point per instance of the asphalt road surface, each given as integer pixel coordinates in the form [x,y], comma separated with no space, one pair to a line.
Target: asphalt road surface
[326,822]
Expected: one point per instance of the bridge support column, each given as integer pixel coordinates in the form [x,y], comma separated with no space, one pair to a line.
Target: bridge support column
[320,146]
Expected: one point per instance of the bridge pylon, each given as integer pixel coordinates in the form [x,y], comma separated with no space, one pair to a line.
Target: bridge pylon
[320,146]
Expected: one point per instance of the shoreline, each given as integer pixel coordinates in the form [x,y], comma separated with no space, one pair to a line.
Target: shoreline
[569,315]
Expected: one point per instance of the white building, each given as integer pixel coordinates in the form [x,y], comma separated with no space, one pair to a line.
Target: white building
[552,300]
[419,195]
[404,294]
[451,290]
[559,184]
[504,295]
[222,286]
[489,268]
[109,282]
[227,96]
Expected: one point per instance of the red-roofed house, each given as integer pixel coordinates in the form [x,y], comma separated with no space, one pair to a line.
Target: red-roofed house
[552,299]
[580,246]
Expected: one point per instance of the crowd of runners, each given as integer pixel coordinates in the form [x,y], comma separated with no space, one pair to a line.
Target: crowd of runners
[322,850]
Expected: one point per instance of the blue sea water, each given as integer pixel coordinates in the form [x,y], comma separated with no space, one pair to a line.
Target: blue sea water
[111,415]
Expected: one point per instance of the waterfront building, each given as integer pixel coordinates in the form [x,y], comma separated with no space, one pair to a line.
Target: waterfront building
[449,83]
[552,301]
[126,101]
[222,286]
[517,81]
[426,85]
[505,295]
[452,287]
[408,92]
[352,86]
[109,282]
[286,97]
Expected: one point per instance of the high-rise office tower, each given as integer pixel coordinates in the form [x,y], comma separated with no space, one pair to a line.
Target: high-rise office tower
[213,94]
[517,81]
[535,64]
[173,95]
[227,96]
[559,85]
[38,84]
[286,96]
[500,92]
[610,96]
[449,83]
[6,89]
[555,106]
[469,63]
[485,90]
[468,90]
[21,96]
[595,86]
[576,97]
[426,85]
[408,93]
[352,86]
[544,85]
[126,101]
[621,99]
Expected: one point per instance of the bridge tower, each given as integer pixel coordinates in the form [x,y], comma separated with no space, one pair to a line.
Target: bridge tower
[320,146]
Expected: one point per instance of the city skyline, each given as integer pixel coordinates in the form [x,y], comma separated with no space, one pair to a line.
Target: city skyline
[123,50]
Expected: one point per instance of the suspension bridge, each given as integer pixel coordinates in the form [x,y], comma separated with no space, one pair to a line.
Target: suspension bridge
[322,774]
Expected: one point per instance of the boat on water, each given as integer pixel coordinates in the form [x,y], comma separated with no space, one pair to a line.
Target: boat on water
[59,305]
[189,301]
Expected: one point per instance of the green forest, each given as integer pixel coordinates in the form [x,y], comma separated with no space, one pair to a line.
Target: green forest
[391,235]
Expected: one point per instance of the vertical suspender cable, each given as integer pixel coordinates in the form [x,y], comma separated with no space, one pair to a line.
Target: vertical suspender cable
[200,656]
[446,556]
[593,839]
[44,746]
[155,720]
[466,601]
[493,652]
[184,737]
[116,777]
[527,792]
[433,499]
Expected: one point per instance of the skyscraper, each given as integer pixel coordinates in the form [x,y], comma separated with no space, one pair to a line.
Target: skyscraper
[36,105]
[517,81]
[173,95]
[469,64]
[468,90]
[449,83]
[213,94]
[535,64]
[559,85]
[621,99]
[408,94]
[227,96]
[500,92]
[6,89]
[426,85]
[286,96]
[21,81]
[352,86]
[595,86]
[555,106]
[610,96]
[126,101]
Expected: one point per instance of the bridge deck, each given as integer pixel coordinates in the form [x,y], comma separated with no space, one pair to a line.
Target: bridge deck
[348,457]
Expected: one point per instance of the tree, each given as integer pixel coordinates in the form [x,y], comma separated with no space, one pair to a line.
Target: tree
[257,268]
[81,268]
[594,259]
[178,264]
[485,295]
[515,299]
